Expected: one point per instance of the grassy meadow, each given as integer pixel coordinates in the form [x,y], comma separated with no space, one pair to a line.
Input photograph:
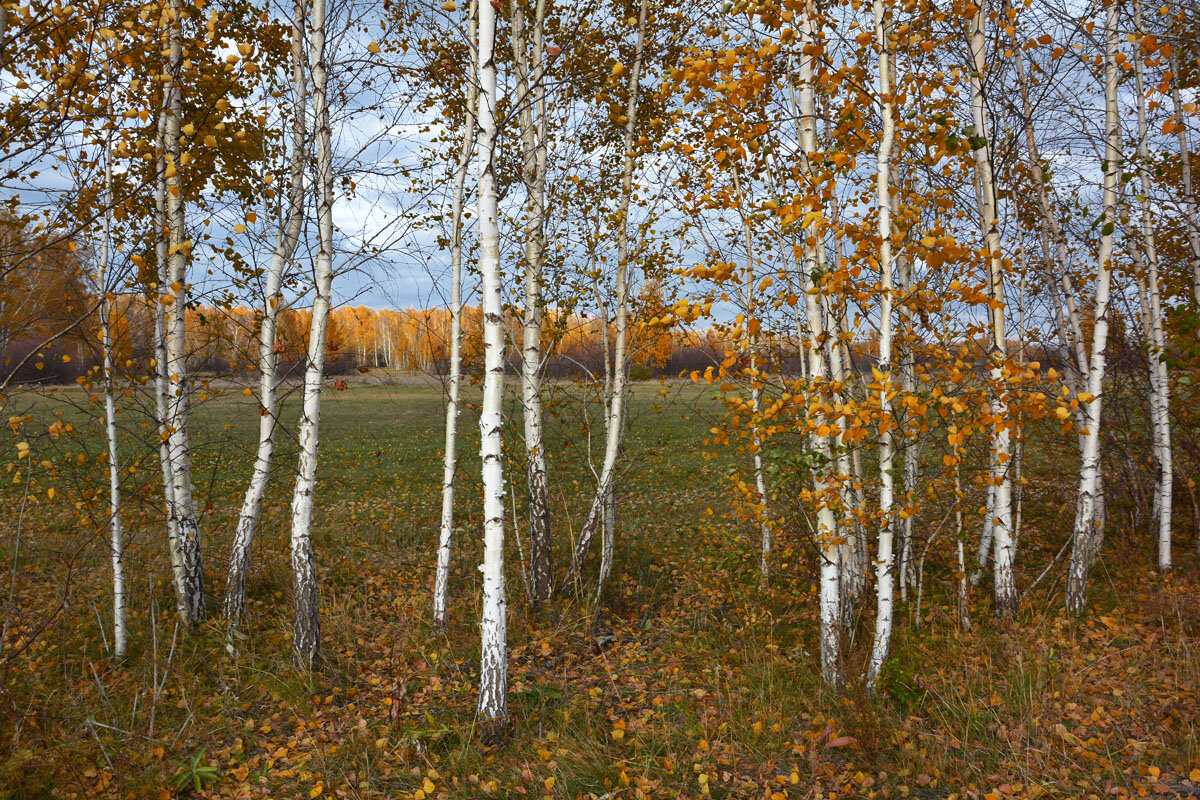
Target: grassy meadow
[686,680]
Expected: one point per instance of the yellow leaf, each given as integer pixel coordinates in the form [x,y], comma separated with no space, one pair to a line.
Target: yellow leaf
[428,786]
[448,5]
[373,48]
[239,228]
[549,783]
[316,790]
[189,130]
[247,392]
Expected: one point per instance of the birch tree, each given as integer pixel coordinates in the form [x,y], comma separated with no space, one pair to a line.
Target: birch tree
[825,484]
[493,666]
[1085,533]
[306,624]
[1150,293]
[614,426]
[999,519]
[179,248]
[285,247]
[162,378]
[1191,208]
[1056,267]
[756,439]
[450,458]
[103,285]
[884,573]
[531,115]
[905,273]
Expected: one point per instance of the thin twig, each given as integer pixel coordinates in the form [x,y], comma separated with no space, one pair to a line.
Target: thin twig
[1046,571]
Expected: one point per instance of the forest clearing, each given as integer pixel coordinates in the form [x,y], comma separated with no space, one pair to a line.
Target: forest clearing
[609,400]
[662,690]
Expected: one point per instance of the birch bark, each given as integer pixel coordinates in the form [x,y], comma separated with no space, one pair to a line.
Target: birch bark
[616,409]
[1000,477]
[1056,263]
[116,533]
[534,154]
[884,573]
[493,666]
[854,552]
[1191,214]
[441,586]
[162,379]
[825,483]
[306,621]
[1085,534]
[760,484]
[178,254]
[905,559]
[1160,387]
[234,602]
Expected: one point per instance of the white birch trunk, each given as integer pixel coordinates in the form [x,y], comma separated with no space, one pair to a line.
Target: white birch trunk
[116,534]
[825,483]
[608,527]
[1084,539]
[161,377]
[850,552]
[178,255]
[964,596]
[441,585]
[1067,315]
[306,624]
[853,553]
[616,410]
[884,573]
[493,666]
[989,518]
[1160,387]
[1191,214]
[904,272]
[234,603]
[534,153]
[756,443]
[1000,477]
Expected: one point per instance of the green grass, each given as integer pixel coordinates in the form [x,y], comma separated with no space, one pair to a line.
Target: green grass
[687,669]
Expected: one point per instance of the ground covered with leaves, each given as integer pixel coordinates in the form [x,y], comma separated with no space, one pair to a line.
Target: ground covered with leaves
[686,680]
